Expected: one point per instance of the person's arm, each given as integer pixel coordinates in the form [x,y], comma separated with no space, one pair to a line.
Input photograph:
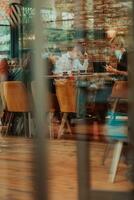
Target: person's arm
[123,62]
[58,66]
[85,64]
[80,66]
[77,65]
[110,69]
[118,72]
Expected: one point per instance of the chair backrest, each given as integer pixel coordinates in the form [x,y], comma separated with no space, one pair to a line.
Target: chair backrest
[116,128]
[16,96]
[66,95]
[52,99]
[120,90]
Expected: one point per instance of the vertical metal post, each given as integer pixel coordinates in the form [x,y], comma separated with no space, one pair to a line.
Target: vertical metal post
[131,95]
[82,146]
[131,71]
[83,169]
[41,155]
[14,42]
[21,36]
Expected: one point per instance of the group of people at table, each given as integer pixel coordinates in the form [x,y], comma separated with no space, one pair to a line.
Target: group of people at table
[73,61]
[76,59]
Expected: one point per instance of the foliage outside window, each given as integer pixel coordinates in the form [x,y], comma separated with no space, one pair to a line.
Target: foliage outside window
[4,32]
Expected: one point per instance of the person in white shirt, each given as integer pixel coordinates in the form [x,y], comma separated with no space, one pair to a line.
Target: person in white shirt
[70,61]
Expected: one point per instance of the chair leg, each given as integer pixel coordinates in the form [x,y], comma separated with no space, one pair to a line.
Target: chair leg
[25,124]
[21,125]
[33,126]
[51,115]
[9,122]
[114,107]
[29,125]
[106,152]
[68,127]
[5,123]
[63,122]
[115,161]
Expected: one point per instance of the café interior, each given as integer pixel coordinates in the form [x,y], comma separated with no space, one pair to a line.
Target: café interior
[64,99]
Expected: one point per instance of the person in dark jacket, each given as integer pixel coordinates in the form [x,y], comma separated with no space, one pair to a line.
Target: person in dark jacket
[4,74]
[120,51]
[49,64]
[118,48]
[119,70]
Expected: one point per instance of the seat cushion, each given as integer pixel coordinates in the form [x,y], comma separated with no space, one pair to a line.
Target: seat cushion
[116,127]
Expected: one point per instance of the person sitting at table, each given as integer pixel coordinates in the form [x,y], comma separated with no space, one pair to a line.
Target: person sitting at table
[118,48]
[4,75]
[24,71]
[120,51]
[71,61]
[119,70]
[49,64]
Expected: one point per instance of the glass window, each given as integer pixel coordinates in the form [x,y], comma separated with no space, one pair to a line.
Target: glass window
[68,19]
[4,30]
[4,41]
[28,36]
[4,9]
[3,17]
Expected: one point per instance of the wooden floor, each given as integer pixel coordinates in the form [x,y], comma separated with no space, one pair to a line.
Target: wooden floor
[17,164]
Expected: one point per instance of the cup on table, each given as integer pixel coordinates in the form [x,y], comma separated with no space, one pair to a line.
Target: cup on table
[65,73]
[82,71]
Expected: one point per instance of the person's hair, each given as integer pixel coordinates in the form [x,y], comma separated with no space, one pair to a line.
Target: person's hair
[48,63]
[80,48]
[119,42]
[69,48]
[3,65]
[4,62]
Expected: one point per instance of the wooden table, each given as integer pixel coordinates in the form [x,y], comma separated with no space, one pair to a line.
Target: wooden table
[81,76]
[86,84]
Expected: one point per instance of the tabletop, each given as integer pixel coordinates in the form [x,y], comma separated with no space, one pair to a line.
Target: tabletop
[81,76]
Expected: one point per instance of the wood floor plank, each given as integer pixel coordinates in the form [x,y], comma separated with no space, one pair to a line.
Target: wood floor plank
[17,170]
